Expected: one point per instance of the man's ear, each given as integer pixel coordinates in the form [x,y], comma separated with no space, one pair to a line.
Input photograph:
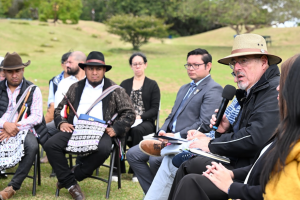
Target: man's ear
[208,66]
[264,60]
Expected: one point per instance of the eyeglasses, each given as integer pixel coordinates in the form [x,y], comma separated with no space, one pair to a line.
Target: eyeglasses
[136,64]
[242,61]
[194,66]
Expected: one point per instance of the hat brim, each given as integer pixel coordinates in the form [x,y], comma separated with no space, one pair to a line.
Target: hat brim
[272,58]
[82,65]
[23,65]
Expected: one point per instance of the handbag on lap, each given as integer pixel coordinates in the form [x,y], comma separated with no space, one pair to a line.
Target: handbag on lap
[88,130]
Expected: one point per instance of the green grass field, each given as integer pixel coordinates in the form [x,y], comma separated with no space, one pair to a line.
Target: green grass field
[165,65]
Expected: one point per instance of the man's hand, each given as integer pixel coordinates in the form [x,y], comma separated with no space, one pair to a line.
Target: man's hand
[3,135]
[110,132]
[11,128]
[192,134]
[219,176]
[66,127]
[138,117]
[224,124]
[201,144]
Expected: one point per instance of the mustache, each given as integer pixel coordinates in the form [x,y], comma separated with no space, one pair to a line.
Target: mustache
[240,73]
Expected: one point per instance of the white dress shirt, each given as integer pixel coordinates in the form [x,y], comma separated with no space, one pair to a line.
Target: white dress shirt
[63,87]
[88,97]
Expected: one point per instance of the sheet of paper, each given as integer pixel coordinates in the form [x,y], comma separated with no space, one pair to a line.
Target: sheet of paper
[137,122]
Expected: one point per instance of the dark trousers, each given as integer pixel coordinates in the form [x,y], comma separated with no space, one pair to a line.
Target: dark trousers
[195,187]
[31,147]
[136,133]
[54,148]
[196,165]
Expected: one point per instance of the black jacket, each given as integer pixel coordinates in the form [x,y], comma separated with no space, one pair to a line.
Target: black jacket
[41,129]
[150,96]
[259,119]
[252,190]
[115,102]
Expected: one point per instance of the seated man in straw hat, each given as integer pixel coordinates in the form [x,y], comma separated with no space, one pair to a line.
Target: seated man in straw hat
[81,96]
[257,74]
[21,118]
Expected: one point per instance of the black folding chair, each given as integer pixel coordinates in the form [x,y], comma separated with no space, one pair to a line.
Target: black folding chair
[115,151]
[36,172]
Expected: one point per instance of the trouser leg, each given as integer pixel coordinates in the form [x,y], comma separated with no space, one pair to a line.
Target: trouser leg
[87,164]
[52,128]
[137,133]
[195,165]
[55,149]
[138,161]
[195,187]
[163,179]
[30,147]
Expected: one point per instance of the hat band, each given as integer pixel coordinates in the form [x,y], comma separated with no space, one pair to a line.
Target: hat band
[96,60]
[249,50]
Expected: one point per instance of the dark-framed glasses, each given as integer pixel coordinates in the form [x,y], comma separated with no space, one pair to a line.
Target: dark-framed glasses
[194,66]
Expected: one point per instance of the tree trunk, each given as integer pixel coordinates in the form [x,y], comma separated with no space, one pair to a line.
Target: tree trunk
[237,27]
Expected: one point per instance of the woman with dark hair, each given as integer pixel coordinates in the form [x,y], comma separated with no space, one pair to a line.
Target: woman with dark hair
[276,171]
[145,96]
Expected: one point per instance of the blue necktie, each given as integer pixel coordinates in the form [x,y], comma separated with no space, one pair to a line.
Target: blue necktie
[192,87]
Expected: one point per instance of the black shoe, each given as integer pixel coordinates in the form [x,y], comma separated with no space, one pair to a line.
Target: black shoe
[181,157]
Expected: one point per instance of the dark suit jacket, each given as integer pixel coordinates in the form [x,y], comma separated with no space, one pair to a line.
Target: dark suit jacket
[150,96]
[197,109]
[116,102]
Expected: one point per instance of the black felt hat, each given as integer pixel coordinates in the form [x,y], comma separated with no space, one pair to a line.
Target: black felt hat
[95,58]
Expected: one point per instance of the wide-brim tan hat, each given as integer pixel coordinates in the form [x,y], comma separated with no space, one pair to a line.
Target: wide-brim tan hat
[13,61]
[250,44]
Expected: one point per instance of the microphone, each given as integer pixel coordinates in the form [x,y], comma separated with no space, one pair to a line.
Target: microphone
[228,94]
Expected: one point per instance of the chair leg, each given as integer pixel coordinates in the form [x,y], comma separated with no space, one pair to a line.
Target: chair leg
[112,161]
[52,175]
[57,192]
[39,168]
[97,171]
[34,175]
[118,167]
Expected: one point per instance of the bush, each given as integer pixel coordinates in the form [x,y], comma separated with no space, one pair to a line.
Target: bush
[137,30]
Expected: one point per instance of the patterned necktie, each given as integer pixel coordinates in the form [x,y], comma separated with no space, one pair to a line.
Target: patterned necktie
[192,87]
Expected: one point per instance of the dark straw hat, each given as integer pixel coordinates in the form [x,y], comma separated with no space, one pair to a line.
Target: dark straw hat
[95,58]
[13,61]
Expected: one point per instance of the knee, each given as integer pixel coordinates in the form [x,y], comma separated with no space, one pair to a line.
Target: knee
[129,155]
[187,179]
[155,161]
[32,146]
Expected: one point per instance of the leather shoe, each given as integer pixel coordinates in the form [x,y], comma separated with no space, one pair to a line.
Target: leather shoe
[181,157]
[76,192]
[44,159]
[152,147]
[7,193]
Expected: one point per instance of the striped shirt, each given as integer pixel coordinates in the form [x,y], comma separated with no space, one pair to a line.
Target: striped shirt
[36,109]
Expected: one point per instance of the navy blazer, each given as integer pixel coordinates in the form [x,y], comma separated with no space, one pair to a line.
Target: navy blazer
[197,109]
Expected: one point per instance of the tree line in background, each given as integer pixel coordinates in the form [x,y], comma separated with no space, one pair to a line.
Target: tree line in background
[136,21]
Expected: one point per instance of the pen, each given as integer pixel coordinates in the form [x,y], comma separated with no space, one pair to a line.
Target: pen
[197,129]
